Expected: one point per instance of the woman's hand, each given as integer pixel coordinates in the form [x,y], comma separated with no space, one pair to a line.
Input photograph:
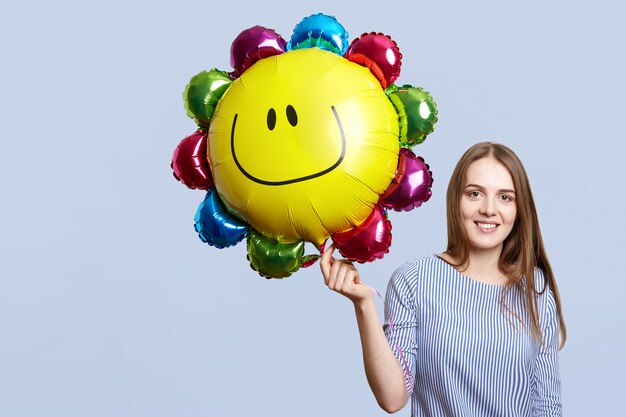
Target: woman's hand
[341,276]
[383,371]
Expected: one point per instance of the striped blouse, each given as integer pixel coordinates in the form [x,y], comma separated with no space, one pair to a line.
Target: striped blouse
[463,353]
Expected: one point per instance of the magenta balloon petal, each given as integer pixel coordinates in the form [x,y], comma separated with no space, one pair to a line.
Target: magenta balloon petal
[412,185]
[252,45]
[379,53]
[190,163]
[368,241]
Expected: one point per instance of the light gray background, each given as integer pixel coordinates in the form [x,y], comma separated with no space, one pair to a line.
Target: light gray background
[111,306]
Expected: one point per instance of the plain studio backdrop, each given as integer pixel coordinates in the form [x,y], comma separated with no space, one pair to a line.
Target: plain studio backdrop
[110,305]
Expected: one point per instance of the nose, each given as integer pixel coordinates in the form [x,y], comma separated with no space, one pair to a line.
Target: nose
[488,207]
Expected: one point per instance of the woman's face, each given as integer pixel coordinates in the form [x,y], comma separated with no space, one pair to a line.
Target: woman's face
[488,206]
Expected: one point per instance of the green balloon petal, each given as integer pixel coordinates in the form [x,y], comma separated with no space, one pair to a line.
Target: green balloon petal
[309,260]
[321,43]
[392,88]
[202,94]
[272,259]
[417,113]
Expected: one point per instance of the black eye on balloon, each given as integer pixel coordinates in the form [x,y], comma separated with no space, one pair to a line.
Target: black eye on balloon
[271,119]
[292,116]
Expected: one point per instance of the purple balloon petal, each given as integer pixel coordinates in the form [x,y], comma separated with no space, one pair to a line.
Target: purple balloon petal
[254,44]
[411,186]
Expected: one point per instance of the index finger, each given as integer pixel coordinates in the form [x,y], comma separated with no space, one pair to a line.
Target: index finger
[326,260]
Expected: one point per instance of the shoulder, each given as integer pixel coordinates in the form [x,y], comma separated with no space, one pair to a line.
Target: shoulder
[414,270]
[415,266]
[540,281]
[542,286]
[546,302]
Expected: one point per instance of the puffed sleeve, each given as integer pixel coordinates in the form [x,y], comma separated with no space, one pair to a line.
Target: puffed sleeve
[547,383]
[401,319]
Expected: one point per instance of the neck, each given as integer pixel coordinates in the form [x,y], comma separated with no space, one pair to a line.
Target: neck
[484,263]
[482,266]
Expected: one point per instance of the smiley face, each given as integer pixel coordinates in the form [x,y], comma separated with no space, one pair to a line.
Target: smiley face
[302,145]
[316,165]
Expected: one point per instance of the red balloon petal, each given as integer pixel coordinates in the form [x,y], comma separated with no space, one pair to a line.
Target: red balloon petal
[368,241]
[190,163]
[252,45]
[382,51]
[412,184]
[369,63]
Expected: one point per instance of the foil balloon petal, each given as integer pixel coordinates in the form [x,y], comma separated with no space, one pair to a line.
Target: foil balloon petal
[202,94]
[368,241]
[215,225]
[379,53]
[371,65]
[331,34]
[417,112]
[252,45]
[412,185]
[272,259]
[190,164]
[309,260]
[304,143]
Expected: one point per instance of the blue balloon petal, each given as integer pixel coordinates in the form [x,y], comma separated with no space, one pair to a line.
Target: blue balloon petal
[319,26]
[215,225]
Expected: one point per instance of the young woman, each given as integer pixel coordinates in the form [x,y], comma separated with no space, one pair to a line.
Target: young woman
[476,330]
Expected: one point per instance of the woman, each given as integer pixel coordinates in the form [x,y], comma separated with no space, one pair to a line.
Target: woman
[475,331]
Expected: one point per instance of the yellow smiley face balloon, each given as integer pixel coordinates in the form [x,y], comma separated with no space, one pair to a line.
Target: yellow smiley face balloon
[303,144]
[305,140]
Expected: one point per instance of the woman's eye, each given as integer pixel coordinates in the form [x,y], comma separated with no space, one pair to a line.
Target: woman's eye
[507,197]
[474,194]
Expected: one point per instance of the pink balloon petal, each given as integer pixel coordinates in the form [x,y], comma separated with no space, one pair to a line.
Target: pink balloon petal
[252,45]
[412,185]
[190,163]
[379,53]
[368,241]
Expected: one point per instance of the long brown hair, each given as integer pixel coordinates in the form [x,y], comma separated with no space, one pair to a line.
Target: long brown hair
[523,248]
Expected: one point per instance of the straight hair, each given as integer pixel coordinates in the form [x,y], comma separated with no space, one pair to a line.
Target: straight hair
[523,248]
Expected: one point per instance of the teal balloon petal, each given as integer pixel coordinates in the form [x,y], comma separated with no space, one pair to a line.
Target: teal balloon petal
[322,31]
[215,225]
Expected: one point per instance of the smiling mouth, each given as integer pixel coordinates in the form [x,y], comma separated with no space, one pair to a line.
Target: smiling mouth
[486,226]
[290,181]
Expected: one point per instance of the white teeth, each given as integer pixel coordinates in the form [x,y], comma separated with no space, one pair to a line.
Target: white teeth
[486,225]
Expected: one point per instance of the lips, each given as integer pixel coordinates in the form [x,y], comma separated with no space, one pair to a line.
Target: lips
[487,226]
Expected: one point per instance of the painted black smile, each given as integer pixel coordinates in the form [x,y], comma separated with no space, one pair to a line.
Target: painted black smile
[306,177]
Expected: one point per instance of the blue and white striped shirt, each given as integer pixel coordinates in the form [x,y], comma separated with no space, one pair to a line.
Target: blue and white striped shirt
[467,356]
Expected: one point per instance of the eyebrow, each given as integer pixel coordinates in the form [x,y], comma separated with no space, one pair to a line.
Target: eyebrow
[505,190]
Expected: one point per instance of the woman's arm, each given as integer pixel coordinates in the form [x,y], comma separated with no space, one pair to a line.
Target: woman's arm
[384,373]
[547,384]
